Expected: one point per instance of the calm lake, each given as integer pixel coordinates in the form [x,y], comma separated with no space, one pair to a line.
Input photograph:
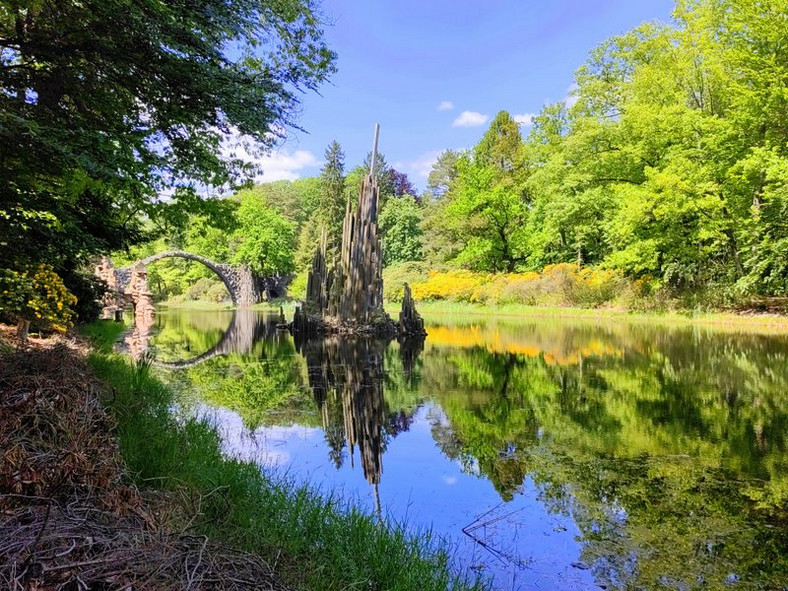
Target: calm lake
[551,454]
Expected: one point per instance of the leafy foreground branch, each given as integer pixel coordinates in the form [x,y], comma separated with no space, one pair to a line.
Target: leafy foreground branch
[73,511]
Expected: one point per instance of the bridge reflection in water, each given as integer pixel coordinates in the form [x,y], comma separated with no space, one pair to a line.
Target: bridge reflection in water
[246,328]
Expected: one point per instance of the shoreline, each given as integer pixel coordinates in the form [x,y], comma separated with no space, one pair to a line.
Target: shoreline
[725,320]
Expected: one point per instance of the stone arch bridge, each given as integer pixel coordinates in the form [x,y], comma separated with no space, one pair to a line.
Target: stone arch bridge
[130,284]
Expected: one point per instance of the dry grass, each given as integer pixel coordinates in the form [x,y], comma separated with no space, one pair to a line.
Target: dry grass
[68,518]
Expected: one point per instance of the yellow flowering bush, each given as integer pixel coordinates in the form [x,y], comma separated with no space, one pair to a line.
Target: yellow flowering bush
[563,284]
[36,294]
[519,288]
[460,286]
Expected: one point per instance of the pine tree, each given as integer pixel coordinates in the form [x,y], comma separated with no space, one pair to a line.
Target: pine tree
[331,209]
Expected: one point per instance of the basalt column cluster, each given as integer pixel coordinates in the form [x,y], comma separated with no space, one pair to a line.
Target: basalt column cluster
[348,298]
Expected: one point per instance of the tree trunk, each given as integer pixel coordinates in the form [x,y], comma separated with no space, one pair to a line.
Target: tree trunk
[23,330]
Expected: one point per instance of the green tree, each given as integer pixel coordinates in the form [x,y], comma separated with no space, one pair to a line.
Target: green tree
[488,205]
[265,240]
[672,162]
[442,174]
[402,234]
[332,202]
[103,106]
[296,200]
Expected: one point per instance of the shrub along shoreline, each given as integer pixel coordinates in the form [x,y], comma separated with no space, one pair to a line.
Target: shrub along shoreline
[311,540]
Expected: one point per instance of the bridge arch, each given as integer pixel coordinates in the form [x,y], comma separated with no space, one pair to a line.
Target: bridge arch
[130,284]
[229,276]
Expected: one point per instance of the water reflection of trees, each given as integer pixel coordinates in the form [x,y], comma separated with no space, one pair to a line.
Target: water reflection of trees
[247,368]
[668,448]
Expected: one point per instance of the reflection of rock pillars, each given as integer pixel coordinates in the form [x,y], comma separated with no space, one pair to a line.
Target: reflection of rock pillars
[351,370]
[138,340]
[409,350]
[378,510]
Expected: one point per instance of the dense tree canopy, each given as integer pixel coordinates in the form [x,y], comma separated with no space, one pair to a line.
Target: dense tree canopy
[668,167]
[488,202]
[669,164]
[104,106]
[399,223]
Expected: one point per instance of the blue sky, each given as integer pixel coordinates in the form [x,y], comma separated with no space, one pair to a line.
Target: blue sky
[433,73]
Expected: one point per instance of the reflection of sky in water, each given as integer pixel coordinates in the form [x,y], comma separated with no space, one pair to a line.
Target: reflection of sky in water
[527,548]
[628,430]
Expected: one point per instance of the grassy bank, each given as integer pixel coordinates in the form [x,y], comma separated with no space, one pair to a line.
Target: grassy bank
[313,541]
[443,310]
[448,312]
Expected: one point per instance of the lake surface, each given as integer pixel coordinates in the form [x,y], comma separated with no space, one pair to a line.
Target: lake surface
[552,454]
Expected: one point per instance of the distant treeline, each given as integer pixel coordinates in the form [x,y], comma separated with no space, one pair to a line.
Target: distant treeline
[667,168]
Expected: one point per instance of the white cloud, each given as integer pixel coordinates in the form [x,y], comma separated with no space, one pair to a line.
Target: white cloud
[421,166]
[283,166]
[524,118]
[571,95]
[470,119]
[446,106]
[276,164]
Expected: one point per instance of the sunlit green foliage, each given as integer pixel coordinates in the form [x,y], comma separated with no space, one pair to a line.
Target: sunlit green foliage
[669,164]
[487,200]
[668,167]
[105,107]
[399,223]
[264,241]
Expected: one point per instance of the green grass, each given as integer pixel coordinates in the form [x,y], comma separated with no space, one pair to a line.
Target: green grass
[447,310]
[315,541]
[102,334]
[194,305]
